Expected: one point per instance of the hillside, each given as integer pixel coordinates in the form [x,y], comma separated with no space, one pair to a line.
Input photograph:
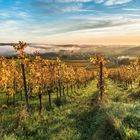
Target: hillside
[135,51]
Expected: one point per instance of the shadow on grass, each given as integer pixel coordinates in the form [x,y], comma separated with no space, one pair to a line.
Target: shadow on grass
[134,96]
[94,124]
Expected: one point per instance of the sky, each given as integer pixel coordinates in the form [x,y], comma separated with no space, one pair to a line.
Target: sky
[70,21]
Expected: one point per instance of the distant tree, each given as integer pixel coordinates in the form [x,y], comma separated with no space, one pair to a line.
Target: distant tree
[124,61]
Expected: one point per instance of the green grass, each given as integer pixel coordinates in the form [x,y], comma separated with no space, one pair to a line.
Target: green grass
[81,117]
[124,108]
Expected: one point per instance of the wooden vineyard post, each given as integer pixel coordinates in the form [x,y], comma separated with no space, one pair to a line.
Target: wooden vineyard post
[40,103]
[101,80]
[49,94]
[59,84]
[63,90]
[57,93]
[67,89]
[25,87]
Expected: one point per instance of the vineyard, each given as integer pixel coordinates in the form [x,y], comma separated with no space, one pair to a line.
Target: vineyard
[53,99]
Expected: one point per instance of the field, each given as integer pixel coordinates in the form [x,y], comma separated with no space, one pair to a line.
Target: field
[44,99]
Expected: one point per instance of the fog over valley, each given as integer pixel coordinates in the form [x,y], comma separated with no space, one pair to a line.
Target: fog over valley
[120,50]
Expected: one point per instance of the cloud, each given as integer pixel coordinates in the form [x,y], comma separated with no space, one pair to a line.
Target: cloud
[8,22]
[18,14]
[116,2]
[83,23]
[75,0]
[4,14]
[50,7]
[106,2]
[56,7]
[131,9]
[23,15]
[98,23]
[72,8]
